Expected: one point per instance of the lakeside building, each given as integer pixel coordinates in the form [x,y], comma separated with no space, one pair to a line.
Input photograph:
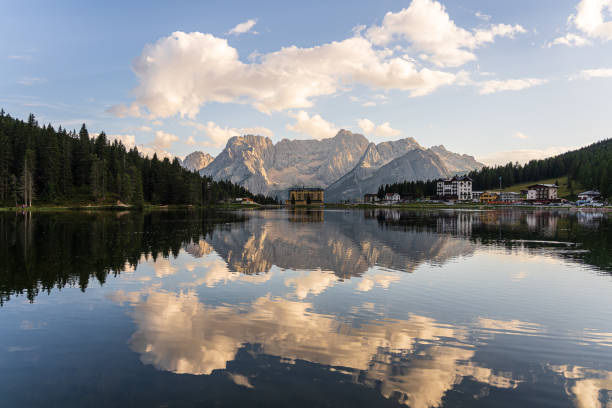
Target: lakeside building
[589,196]
[371,198]
[510,197]
[476,196]
[305,196]
[392,198]
[456,188]
[542,192]
[244,200]
[489,197]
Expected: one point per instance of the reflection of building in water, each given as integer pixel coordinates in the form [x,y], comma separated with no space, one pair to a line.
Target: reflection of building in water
[589,219]
[458,224]
[305,215]
[305,196]
[542,221]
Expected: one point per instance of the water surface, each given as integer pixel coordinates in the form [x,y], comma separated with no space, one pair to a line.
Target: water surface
[306,308]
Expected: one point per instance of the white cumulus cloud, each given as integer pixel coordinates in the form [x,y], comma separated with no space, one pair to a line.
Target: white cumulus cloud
[593,18]
[571,40]
[129,141]
[182,72]
[428,28]
[244,27]
[314,126]
[383,130]
[164,140]
[217,136]
[495,85]
[522,155]
[596,73]
[520,135]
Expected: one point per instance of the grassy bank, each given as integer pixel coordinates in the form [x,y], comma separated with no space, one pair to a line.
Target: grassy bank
[563,192]
[146,207]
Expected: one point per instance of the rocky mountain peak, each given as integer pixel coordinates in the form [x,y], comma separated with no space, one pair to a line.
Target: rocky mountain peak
[197,160]
[347,163]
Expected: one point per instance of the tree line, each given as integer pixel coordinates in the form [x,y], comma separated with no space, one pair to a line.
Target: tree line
[409,189]
[590,167]
[41,165]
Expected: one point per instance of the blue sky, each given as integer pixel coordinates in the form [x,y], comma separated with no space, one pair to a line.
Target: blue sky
[496,79]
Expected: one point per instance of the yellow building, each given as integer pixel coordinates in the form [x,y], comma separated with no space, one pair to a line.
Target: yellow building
[305,196]
[488,197]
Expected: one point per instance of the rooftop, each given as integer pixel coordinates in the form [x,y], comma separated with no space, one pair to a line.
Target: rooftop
[544,185]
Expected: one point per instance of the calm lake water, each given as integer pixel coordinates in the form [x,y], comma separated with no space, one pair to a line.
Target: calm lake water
[306,308]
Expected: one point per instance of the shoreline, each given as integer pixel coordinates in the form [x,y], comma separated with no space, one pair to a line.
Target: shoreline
[412,206]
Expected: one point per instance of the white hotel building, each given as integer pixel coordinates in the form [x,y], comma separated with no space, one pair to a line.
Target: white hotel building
[456,188]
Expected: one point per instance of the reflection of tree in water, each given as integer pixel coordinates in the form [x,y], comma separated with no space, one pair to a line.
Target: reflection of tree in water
[585,237]
[41,251]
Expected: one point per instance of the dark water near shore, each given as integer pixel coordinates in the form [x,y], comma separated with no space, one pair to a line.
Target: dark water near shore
[306,308]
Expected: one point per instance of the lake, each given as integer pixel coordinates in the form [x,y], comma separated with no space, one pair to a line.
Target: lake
[333,308]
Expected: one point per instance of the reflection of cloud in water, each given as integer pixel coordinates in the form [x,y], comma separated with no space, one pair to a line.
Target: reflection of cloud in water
[216,272]
[241,380]
[418,358]
[122,297]
[597,337]
[516,327]
[162,266]
[377,279]
[314,282]
[586,385]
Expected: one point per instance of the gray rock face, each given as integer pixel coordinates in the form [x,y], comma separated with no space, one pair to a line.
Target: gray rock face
[456,163]
[417,164]
[262,167]
[196,161]
[346,164]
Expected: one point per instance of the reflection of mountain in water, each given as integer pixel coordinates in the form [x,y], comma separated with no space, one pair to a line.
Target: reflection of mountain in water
[346,243]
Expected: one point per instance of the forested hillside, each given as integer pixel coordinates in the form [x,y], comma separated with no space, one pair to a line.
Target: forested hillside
[590,167]
[41,165]
[414,189]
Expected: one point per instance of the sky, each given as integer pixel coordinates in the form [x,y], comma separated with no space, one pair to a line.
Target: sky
[499,80]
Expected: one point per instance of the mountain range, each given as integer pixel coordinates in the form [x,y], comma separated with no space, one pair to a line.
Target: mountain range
[346,165]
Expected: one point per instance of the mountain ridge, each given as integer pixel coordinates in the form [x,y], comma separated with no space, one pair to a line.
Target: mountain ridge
[348,162]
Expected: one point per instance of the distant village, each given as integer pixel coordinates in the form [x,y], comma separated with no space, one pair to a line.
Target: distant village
[455,190]
[458,189]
